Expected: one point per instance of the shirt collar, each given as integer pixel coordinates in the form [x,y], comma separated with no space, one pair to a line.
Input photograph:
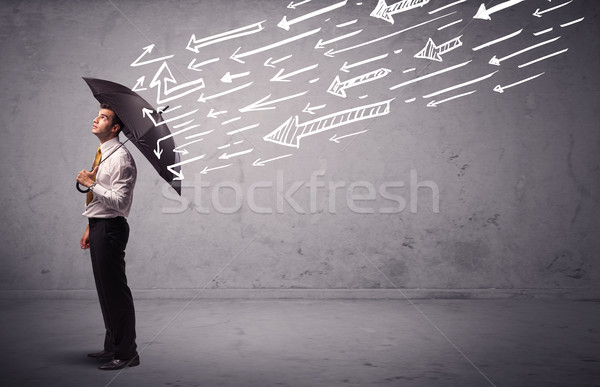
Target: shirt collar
[108,145]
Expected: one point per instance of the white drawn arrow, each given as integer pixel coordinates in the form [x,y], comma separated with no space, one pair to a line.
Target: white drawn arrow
[385,12]
[194,44]
[261,163]
[237,57]
[332,52]
[322,43]
[539,13]
[346,67]
[542,58]
[430,75]
[164,89]
[285,24]
[496,61]
[226,156]
[184,151]
[207,169]
[433,52]
[262,105]
[271,63]
[338,87]
[148,50]
[284,78]
[228,77]
[179,175]
[196,66]
[484,13]
[204,99]
[215,114]
[460,85]
[500,89]
[293,6]
[291,131]
[497,40]
[148,112]
[435,103]
[310,110]
[335,138]
[139,84]
[158,152]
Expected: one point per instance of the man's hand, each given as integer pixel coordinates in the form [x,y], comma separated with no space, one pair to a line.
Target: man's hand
[86,178]
[85,239]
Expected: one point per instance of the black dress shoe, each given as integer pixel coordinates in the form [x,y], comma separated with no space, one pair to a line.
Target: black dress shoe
[117,364]
[102,355]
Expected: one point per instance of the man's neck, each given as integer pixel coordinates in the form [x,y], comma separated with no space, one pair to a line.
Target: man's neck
[102,141]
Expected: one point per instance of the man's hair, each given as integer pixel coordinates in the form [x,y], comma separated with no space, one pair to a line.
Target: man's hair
[116,119]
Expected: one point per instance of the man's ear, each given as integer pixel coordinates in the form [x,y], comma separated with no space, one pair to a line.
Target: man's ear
[117,126]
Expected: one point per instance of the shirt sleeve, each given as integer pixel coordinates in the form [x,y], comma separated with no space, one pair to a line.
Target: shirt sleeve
[122,174]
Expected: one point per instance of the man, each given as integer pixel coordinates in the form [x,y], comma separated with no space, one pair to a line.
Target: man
[111,185]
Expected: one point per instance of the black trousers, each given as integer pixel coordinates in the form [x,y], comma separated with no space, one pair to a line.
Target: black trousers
[108,239]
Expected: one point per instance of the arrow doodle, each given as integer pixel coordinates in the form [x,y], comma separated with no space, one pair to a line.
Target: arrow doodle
[332,52]
[430,75]
[539,13]
[500,89]
[484,13]
[436,103]
[338,87]
[285,24]
[496,61]
[322,43]
[164,89]
[139,84]
[148,50]
[207,169]
[346,67]
[335,138]
[204,99]
[196,66]
[261,163]
[356,34]
[238,57]
[262,105]
[433,52]
[226,156]
[291,132]
[179,174]
[293,6]
[511,35]
[194,45]
[311,110]
[284,78]
[385,12]
[228,77]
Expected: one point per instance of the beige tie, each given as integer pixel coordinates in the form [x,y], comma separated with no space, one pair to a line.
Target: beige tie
[90,195]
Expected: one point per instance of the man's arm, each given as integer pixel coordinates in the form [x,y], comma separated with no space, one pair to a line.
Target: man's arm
[122,174]
[85,239]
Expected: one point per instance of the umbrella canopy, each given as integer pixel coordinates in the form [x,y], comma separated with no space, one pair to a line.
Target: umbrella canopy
[139,127]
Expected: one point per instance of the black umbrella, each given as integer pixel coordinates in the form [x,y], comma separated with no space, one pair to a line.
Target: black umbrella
[139,128]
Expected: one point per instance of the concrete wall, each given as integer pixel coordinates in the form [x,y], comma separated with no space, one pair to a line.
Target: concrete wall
[516,172]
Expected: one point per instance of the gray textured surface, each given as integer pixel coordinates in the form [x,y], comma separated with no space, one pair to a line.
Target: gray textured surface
[310,343]
[517,172]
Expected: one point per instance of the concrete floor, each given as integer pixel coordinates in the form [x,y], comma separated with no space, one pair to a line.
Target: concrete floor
[522,342]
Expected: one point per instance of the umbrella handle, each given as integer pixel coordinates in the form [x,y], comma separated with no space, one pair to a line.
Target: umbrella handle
[80,189]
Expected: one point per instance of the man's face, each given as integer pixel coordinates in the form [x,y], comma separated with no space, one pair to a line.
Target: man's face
[103,126]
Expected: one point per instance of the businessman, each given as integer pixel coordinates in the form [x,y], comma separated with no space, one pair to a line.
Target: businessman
[108,203]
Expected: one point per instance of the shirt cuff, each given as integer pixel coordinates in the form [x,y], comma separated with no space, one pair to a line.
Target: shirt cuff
[99,190]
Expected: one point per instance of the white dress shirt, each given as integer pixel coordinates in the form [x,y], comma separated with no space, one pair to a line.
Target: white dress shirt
[115,179]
